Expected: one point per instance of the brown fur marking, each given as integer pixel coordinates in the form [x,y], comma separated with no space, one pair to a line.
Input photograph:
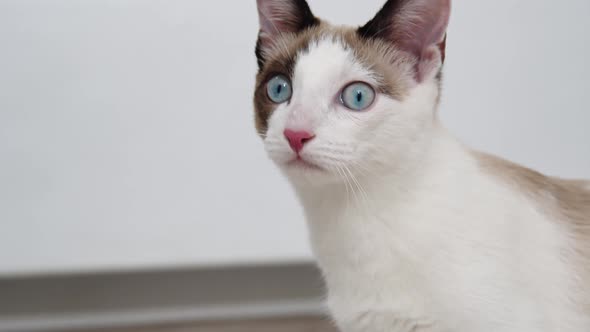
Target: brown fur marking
[392,68]
[566,201]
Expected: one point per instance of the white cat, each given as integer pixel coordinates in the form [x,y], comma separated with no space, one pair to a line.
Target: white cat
[412,230]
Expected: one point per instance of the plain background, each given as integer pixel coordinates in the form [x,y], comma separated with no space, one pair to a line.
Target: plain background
[126,131]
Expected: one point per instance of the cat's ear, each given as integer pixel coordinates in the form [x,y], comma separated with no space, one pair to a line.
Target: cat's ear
[281,16]
[417,27]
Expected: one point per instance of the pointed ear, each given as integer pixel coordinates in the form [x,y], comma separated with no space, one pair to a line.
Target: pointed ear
[278,17]
[417,27]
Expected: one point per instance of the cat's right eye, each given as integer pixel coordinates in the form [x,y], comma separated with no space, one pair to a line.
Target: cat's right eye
[279,89]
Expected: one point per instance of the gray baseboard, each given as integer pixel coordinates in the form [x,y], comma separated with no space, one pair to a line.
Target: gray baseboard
[62,303]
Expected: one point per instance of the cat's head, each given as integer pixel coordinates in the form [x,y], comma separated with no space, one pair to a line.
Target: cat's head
[336,102]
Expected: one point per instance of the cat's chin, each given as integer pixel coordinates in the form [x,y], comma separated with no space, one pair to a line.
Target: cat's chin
[307,173]
[303,165]
[301,170]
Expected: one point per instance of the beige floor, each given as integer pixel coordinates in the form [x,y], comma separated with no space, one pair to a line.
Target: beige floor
[304,324]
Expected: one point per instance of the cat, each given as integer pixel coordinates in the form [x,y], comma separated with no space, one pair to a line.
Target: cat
[412,230]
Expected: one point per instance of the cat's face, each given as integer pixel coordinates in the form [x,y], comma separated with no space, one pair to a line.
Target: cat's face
[334,103]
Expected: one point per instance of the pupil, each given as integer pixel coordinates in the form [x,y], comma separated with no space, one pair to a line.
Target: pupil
[279,89]
[359,96]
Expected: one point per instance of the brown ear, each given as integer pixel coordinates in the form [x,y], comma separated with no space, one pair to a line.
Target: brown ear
[417,27]
[281,16]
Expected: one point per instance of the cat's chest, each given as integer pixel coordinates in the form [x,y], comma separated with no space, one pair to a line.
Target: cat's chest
[376,274]
[421,266]
[380,245]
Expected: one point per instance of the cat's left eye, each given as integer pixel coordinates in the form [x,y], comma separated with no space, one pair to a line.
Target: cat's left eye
[358,96]
[279,89]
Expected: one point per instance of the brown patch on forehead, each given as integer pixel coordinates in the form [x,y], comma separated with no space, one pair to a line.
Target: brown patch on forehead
[391,68]
[279,59]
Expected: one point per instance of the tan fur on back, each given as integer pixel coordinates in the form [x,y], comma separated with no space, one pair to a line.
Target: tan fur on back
[566,201]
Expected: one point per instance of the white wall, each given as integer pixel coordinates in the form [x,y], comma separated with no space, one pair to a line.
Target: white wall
[126,137]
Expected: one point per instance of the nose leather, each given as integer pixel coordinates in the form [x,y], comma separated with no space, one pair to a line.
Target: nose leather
[298,138]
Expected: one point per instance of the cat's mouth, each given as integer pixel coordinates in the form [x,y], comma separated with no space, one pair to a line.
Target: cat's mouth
[300,163]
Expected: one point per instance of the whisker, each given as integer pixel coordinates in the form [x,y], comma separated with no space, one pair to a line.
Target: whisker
[346,184]
[364,202]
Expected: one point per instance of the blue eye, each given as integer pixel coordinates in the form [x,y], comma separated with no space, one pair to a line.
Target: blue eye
[358,96]
[279,89]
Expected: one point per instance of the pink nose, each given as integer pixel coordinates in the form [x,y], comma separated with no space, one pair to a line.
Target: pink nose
[297,139]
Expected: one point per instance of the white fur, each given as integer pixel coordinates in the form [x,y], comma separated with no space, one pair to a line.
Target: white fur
[410,234]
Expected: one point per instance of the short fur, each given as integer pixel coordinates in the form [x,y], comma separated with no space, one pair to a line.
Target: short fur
[412,230]
[567,201]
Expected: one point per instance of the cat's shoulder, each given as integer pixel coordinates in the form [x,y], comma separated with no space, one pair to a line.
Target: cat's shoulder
[565,201]
[571,197]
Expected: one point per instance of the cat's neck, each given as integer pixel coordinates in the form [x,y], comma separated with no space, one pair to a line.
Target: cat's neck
[396,212]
